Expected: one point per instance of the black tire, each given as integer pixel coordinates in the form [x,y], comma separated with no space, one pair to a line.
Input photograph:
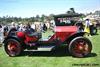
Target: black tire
[80,47]
[13,47]
[94,31]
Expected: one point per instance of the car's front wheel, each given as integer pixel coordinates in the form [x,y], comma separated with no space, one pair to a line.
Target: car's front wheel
[13,47]
[80,47]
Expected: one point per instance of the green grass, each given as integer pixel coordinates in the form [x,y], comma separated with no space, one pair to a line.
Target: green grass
[45,35]
[42,59]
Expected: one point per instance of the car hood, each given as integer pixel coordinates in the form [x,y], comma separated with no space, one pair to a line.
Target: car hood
[66,29]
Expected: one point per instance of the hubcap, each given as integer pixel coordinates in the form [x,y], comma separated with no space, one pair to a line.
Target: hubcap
[12,48]
[81,47]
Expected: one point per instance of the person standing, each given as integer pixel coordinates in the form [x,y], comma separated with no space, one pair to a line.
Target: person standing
[33,26]
[5,31]
[44,27]
[87,26]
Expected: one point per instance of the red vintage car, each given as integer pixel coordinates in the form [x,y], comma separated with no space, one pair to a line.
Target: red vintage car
[65,32]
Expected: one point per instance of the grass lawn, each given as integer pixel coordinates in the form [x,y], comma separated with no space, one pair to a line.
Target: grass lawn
[49,59]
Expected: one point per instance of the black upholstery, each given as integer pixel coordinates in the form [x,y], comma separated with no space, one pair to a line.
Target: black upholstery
[31,32]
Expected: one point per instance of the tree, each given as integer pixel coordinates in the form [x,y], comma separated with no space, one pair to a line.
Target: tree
[68,12]
[37,18]
[72,10]
[43,17]
[51,16]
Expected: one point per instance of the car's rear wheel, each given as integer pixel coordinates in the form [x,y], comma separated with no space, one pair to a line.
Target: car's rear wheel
[80,47]
[94,31]
[13,47]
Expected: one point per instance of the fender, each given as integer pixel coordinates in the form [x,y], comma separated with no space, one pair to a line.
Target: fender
[77,34]
[14,37]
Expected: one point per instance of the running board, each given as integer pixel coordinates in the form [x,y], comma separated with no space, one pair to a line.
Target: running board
[43,48]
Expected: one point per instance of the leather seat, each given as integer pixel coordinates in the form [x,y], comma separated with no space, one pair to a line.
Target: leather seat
[32,33]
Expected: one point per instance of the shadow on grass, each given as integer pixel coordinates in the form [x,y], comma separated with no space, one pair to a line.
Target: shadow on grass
[95,34]
[59,52]
[51,54]
[92,55]
[44,54]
